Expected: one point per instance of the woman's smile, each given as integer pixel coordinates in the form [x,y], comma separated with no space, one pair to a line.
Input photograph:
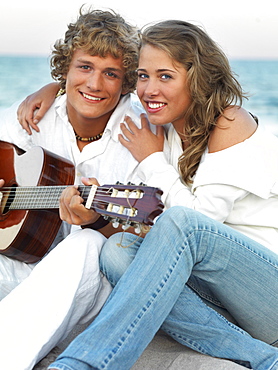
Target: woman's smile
[162,87]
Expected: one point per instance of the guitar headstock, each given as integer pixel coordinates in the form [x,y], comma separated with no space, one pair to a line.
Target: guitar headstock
[129,204]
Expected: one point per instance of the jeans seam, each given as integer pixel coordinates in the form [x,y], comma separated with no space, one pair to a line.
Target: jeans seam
[195,344]
[159,289]
[191,343]
[205,296]
[274,366]
[130,329]
[226,236]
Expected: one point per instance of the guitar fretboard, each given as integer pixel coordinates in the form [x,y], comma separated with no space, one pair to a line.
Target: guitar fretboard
[37,197]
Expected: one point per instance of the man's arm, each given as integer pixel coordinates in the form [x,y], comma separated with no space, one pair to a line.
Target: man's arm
[11,131]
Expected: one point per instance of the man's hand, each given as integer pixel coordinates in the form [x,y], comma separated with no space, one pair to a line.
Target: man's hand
[72,209]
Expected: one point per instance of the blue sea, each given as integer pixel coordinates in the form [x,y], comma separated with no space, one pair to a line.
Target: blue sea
[22,75]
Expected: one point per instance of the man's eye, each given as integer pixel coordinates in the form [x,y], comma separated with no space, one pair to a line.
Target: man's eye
[142,76]
[111,74]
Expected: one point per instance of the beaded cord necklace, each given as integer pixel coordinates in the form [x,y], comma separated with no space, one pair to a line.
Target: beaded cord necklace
[86,139]
[80,138]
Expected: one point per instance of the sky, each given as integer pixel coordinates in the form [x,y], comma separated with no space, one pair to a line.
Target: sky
[245,29]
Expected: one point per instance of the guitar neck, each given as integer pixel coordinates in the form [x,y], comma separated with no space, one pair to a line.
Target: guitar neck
[128,203]
[37,197]
[34,197]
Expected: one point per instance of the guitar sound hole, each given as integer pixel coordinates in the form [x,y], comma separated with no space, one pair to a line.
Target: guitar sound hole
[8,199]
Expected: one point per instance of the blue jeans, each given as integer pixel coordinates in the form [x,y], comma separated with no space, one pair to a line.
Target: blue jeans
[239,273]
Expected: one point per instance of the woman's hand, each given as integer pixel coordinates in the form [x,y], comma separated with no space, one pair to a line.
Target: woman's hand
[34,107]
[72,209]
[141,142]
[2,182]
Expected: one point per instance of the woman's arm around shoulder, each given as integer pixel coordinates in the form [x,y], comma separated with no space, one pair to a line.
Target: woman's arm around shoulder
[34,107]
[235,126]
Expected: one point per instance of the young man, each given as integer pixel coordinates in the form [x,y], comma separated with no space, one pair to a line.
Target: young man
[41,303]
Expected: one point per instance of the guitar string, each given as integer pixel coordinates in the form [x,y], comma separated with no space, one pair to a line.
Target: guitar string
[130,244]
[56,187]
[40,190]
[52,189]
[143,228]
[48,201]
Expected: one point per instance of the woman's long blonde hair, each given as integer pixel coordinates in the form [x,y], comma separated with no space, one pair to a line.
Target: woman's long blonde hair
[211,83]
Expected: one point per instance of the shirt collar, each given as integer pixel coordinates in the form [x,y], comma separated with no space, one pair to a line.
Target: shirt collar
[61,106]
[118,116]
[113,125]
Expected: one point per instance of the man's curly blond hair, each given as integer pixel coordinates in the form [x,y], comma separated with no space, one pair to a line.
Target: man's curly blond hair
[98,33]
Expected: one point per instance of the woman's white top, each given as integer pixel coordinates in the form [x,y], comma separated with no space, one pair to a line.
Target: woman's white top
[237,186]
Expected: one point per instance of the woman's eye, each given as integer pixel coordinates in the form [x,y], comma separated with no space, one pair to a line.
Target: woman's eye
[165,77]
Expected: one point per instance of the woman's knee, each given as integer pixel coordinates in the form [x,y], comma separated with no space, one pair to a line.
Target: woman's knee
[117,254]
[178,213]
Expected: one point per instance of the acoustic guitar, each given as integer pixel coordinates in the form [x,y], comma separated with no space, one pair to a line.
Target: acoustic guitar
[29,201]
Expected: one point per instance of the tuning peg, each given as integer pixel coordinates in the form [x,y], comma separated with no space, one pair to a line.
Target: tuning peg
[130,183]
[138,229]
[119,183]
[126,226]
[116,223]
[142,184]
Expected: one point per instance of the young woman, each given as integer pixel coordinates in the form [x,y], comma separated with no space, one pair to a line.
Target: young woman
[216,245]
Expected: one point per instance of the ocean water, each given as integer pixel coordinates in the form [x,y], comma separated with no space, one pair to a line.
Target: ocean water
[22,75]
[260,80]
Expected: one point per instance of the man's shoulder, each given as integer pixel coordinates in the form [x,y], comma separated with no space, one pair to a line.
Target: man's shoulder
[11,130]
[9,113]
[135,102]
[134,107]
[58,108]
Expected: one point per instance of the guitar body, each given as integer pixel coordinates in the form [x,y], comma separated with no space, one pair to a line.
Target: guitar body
[29,201]
[26,235]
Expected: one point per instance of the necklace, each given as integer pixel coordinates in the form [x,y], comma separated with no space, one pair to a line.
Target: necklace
[86,139]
